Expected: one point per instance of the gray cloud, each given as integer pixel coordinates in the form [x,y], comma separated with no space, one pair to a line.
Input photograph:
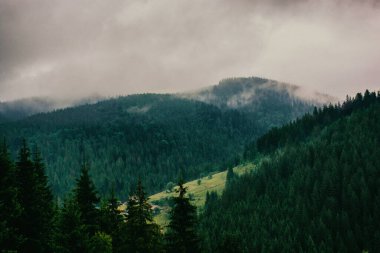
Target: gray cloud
[76,48]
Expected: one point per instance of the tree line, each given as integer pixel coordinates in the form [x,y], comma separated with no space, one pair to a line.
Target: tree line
[31,221]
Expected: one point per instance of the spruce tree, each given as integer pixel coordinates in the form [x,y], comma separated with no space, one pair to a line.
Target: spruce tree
[182,236]
[71,235]
[27,188]
[10,209]
[141,233]
[230,175]
[86,198]
[35,201]
[44,202]
[111,220]
[100,243]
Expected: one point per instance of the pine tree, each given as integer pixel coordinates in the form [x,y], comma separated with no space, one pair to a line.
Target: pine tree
[26,186]
[35,201]
[85,196]
[182,236]
[142,234]
[111,221]
[44,202]
[71,235]
[230,175]
[10,209]
[100,243]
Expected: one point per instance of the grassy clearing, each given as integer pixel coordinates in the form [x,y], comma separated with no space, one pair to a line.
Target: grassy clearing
[197,191]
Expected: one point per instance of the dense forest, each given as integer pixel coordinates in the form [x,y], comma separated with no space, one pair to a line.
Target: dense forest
[316,187]
[30,221]
[152,136]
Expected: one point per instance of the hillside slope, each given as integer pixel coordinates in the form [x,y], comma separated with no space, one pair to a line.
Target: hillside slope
[197,190]
[318,193]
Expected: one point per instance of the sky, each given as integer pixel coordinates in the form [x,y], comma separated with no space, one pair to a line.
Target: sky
[77,48]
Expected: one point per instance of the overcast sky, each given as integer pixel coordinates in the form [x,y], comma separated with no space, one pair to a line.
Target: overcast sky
[75,48]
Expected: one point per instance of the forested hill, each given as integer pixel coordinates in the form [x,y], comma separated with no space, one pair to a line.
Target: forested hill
[271,101]
[152,136]
[316,188]
[15,110]
[22,108]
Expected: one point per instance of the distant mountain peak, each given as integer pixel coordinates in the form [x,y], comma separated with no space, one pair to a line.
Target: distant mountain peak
[243,92]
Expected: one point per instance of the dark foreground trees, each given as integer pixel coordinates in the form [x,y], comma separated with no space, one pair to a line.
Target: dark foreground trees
[86,199]
[10,209]
[30,221]
[141,234]
[36,202]
[26,203]
[182,235]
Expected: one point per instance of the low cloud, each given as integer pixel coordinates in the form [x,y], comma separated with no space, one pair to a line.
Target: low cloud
[77,48]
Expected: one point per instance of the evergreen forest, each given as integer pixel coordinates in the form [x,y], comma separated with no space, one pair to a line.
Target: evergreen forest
[315,186]
[152,136]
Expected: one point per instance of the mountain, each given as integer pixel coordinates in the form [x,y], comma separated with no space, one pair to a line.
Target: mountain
[255,96]
[155,137]
[315,188]
[22,108]
[15,110]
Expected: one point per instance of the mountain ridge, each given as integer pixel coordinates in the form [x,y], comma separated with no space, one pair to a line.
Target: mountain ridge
[155,136]
[216,94]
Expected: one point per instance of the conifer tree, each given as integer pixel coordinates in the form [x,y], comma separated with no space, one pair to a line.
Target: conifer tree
[35,201]
[100,243]
[71,235]
[210,203]
[111,221]
[86,198]
[142,234]
[10,209]
[44,202]
[230,175]
[182,236]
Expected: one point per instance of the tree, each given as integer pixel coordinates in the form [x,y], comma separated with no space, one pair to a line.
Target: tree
[181,236]
[211,202]
[44,202]
[142,234]
[71,235]
[100,243]
[85,196]
[169,187]
[10,209]
[111,221]
[230,174]
[35,200]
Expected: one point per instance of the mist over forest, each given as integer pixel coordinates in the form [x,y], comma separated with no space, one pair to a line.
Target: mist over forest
[179,126]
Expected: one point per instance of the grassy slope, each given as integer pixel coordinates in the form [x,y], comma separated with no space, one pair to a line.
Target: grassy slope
[216,183]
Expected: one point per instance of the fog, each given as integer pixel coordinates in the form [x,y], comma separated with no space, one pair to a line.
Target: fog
[77,48]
